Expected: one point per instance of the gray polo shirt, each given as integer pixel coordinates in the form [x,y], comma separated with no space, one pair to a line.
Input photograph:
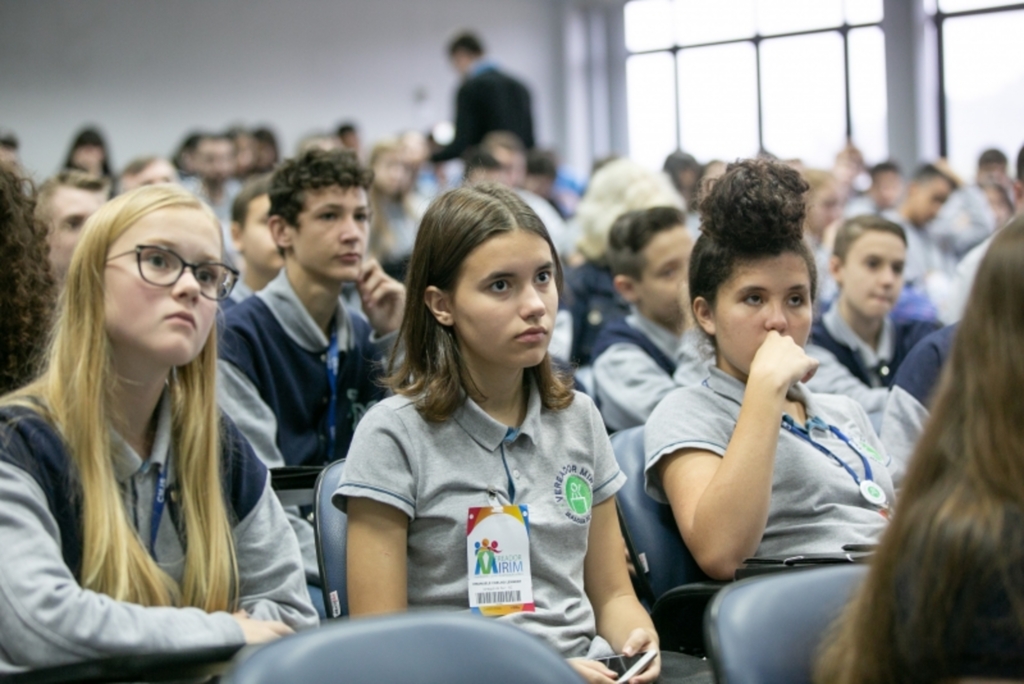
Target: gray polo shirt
[436,472]
[629,383]
[816,507]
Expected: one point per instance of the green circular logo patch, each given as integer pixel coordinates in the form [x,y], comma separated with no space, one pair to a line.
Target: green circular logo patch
[578,494]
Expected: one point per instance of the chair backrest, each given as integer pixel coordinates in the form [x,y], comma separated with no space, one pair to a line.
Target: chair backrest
[331,532]
[650,527]
[197,664]
[767,629]
[455,648]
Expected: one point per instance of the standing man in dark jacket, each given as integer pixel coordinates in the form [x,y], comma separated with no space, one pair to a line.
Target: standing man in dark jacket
[488,99]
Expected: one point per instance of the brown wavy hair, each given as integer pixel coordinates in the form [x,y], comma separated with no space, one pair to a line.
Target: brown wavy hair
[947,581]
[28,287]
[429,365]
[314,170]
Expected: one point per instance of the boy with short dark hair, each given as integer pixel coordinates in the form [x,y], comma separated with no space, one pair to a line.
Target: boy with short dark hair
[250,233]
[967,218]
[929,267]
[643,357]
[297,368]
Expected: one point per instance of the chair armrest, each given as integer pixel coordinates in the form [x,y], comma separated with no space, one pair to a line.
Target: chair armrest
[144,667]
[294,484]
[678,616]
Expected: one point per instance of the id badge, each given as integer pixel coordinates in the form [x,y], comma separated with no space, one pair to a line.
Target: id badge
[498,560]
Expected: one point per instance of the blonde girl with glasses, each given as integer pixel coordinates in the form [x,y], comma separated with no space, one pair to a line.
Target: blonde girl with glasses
[135,517]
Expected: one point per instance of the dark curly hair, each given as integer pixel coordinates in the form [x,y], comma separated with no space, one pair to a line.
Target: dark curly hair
[755,211]
[26,282]
[313,170]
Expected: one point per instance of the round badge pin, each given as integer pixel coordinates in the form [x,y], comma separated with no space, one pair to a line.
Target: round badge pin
[872,493]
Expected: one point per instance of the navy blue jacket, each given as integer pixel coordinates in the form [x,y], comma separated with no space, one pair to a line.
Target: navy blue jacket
[907,334]
[33,445]
[620,331]
[919,374]
[593,302]
[293,381]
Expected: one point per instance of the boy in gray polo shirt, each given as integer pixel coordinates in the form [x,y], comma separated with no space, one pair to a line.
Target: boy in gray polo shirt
[640,359]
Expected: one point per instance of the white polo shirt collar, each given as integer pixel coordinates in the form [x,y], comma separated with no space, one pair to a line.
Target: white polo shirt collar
[662,338]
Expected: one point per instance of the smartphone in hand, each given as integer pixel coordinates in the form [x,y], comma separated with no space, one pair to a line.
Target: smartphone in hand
[628,666]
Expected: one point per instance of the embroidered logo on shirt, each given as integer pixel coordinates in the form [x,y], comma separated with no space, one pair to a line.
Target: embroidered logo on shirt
[574,492]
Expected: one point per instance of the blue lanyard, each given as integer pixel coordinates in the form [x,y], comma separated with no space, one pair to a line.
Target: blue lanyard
[332,380]
[790,425]
[159,501]
[510,436]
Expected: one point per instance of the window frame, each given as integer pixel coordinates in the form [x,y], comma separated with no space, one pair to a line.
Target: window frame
[843,29]
[938,19]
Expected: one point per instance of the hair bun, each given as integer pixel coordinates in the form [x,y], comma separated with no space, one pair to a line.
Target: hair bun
[756,208]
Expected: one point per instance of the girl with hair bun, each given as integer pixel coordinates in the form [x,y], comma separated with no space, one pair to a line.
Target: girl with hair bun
[751,462]
[135,517]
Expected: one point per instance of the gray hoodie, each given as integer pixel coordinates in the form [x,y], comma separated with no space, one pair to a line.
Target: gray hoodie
[47,618]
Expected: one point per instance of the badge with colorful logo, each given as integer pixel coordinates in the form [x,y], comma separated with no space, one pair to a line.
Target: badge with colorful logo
[574,492]
[498,560]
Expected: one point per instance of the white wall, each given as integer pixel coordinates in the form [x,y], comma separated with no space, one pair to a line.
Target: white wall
[147,71]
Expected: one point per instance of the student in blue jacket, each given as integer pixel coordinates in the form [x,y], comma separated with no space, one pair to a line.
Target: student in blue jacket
[859,345]
[117,455]
[298,366]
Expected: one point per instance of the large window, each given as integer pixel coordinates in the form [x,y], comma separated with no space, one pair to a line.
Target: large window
[728,78]
[981,78]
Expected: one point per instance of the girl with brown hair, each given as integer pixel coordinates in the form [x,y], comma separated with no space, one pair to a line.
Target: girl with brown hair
[483,429]
[944,600]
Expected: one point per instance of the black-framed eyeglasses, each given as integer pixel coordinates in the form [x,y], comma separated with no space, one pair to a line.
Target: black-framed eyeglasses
[163,267]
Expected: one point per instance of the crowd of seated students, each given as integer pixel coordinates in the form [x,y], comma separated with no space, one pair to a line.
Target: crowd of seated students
[434,347]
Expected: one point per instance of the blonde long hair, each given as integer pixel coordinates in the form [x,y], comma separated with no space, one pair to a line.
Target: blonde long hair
[76,395]
[619,186]
[382,234]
